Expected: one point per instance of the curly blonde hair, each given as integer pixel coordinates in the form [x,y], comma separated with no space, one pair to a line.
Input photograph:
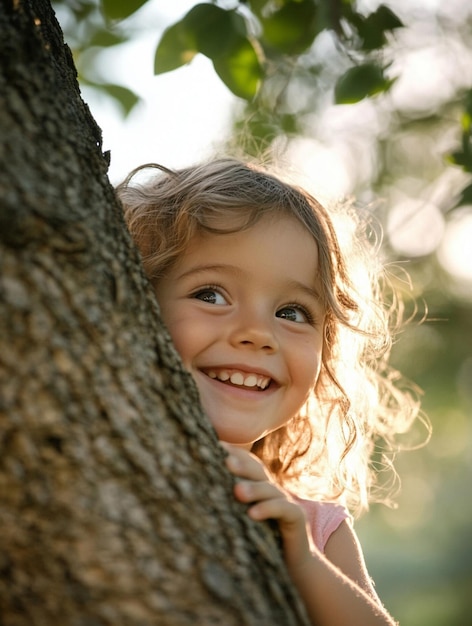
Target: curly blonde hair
[359,403]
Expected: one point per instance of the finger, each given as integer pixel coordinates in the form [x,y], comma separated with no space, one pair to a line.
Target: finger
[287,513]
[246,468]
[269,501]
[244,464]
[253,491]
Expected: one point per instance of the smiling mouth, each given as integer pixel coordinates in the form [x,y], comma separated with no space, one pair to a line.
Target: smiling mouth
[240,379]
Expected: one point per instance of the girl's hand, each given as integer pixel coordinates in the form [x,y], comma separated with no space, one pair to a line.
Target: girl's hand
[269,501]
[331,597]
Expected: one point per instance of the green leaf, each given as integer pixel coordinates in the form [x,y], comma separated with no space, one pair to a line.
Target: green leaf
[105,39]
[206,28]
[221,36]
[240,68]
[176,48]
[292,28]
[385,19]
[360,82]
[463,157]
[126,98]
[120,9]
[373,28]
[214,30]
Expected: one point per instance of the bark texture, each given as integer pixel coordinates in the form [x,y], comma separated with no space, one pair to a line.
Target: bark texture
[115,507]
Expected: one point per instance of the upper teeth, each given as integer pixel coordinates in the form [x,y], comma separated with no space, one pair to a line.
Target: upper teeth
[238,378]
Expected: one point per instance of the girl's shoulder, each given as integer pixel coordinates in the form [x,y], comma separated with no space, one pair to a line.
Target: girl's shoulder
[324,518]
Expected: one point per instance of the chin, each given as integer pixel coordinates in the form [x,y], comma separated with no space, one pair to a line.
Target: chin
[234,438]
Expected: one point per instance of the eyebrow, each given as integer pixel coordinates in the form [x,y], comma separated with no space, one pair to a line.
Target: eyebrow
[311,292]
[219,267]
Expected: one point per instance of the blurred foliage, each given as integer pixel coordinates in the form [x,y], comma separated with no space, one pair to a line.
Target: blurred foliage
[410,157]
[220,35]
[265,51]
[420,554]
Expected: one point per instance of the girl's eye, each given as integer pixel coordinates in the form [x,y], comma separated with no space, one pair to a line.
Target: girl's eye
[210,295]
[295,313]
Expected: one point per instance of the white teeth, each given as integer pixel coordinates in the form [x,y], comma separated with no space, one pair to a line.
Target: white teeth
[251,381]
[264,383]
[237,378]
[241,380]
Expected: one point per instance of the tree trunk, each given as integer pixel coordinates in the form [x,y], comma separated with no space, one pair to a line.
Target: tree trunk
[115,506]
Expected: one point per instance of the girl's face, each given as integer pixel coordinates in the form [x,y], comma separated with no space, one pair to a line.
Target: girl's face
[245,314]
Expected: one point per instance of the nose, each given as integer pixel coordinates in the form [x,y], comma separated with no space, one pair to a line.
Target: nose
[254,330]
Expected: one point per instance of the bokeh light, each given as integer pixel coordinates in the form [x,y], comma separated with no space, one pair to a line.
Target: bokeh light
[455,251]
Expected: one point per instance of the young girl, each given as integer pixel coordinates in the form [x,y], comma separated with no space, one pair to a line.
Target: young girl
[281,323]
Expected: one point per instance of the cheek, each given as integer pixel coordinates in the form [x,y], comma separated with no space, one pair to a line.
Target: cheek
[182,339]
[189,335]
[306,367]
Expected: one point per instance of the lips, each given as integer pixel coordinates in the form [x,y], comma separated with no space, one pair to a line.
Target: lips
[240,379]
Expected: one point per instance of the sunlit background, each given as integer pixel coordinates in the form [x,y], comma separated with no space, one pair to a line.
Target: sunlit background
[183,116]
[391,154]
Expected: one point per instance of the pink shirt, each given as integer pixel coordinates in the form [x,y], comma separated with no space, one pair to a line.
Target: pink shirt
[324,518]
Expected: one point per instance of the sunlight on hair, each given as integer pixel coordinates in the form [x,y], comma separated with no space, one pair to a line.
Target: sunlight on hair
[360,405]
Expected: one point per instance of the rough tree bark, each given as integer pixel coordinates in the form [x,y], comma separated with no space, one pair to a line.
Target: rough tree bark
[115,507]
